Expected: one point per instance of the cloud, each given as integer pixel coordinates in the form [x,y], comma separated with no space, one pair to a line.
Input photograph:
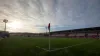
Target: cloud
[62,14]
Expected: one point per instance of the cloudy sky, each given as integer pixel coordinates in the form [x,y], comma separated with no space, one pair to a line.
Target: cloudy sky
[34,15]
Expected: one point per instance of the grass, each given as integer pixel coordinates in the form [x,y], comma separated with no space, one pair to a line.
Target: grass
[26,46]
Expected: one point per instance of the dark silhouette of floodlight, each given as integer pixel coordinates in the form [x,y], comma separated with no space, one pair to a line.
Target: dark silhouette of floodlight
[5,21]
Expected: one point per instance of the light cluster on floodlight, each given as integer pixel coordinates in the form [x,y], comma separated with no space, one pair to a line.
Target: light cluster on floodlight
[5,20]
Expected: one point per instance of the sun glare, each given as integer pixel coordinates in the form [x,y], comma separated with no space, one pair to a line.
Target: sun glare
[15,25]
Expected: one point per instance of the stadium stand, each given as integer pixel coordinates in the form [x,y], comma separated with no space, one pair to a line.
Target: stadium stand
[91,32]
[4,34]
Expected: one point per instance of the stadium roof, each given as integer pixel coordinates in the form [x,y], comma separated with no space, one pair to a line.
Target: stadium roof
[82,29]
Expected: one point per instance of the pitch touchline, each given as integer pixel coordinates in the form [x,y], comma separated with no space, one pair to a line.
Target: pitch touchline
[42,48]
[64,47]
[72,46]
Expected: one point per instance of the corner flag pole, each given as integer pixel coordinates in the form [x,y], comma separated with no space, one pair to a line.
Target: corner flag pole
[49,36]
[5,27]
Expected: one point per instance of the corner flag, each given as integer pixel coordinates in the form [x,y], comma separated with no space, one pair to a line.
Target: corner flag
[49,27]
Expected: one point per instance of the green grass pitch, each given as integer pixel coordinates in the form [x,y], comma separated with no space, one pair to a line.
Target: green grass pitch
[26,46]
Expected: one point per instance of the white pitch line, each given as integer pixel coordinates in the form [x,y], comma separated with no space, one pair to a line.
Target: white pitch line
[72,46]
[42,48]
[64,47]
